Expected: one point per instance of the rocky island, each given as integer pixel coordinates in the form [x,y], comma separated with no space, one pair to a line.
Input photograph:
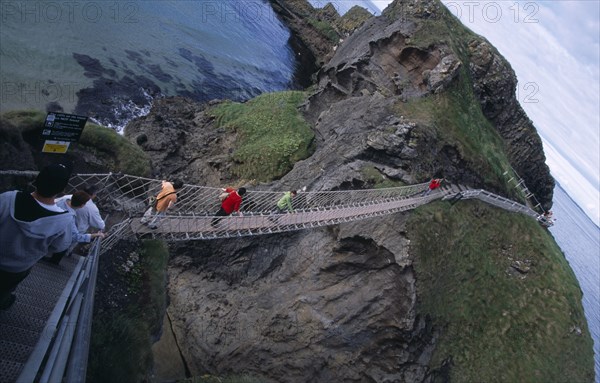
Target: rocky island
[460,293]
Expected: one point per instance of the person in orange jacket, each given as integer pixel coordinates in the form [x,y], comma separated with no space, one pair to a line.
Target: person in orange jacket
[164,200]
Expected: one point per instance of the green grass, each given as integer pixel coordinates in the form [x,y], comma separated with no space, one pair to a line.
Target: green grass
[271,134]
[377,180]
[114,149]
[120,349]
[121,342]
[456,119]
[154,263]
[446,29]
[353,19]
[496,325]
[116,152]
[25,120]
[436,26]
[325,28]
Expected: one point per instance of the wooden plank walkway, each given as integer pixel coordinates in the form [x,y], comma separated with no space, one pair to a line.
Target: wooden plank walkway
[199,227]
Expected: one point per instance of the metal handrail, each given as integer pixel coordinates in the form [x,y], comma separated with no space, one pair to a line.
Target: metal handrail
[62,351]
[36,359]
[77,365]
[64,345]
[499,201]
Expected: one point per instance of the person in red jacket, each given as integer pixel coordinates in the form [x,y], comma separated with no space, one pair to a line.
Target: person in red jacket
[231,203]
[434,184]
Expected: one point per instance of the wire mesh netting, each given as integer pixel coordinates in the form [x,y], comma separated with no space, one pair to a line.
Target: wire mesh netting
[193,215]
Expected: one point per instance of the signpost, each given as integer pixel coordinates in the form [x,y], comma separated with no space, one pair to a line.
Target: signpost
[60,129]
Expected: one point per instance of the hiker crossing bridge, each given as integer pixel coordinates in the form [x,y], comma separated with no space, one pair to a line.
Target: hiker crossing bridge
[44,336]
[191,216]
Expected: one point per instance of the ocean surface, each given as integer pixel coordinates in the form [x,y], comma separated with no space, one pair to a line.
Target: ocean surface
[109,60]
[579,239]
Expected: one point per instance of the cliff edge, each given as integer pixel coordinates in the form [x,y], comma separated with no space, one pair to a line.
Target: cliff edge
[442,294]
[462,292]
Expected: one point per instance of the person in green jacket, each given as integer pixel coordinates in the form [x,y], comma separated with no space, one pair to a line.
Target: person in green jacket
[285,203]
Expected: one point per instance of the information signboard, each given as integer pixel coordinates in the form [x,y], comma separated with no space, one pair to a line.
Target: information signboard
[55,146]
[60,129]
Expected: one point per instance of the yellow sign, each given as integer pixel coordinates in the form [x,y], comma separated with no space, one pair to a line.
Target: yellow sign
[59,147]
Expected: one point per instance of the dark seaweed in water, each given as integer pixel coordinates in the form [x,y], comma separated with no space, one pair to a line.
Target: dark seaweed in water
[113,101]
[106,101]
[93,67]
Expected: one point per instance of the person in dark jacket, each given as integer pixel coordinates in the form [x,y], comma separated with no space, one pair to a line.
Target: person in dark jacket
[31,226]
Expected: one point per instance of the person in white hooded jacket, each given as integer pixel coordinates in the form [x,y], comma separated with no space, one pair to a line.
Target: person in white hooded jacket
[31,226]
[89,215]
[72,203]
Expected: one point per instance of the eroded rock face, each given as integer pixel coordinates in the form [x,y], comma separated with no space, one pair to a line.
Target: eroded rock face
[320,306]
[335,304]
[316,32]
[378,58]
[355,115]
[495,85]
[183,142]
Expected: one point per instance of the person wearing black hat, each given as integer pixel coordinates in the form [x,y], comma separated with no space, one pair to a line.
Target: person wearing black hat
[31,226]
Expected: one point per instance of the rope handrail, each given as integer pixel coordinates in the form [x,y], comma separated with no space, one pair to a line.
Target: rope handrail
[192,217]
[520,183]
[500,201]
[130,194]
[185,227]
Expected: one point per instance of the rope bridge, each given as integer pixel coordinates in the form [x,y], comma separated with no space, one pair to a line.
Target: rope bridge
[191,217]
[45,334]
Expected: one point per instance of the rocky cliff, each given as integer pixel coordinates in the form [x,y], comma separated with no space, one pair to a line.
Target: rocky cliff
[415,52]
[319,306]
[409,95]
[316,32]
[494,85]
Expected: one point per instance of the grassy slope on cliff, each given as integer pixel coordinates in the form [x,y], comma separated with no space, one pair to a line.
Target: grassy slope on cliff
[122,336]
[110,150]
[455,114]
[271,134]
[498,323]
[352,20]
[457,120]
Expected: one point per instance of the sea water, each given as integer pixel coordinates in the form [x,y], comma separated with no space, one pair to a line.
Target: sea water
[109,59]
[579,239]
